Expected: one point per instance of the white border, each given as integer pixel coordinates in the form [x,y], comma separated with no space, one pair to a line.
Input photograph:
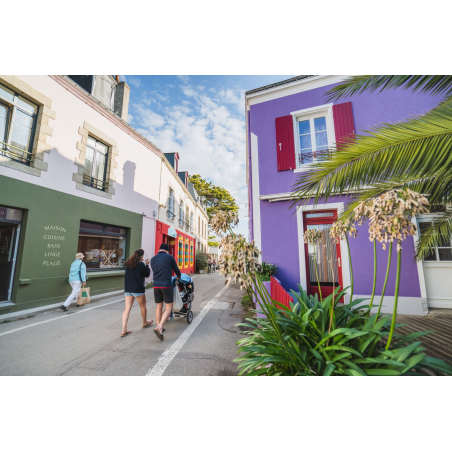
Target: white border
[339,206]
[255,184]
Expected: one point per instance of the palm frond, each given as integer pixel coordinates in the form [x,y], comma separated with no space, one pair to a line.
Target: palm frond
[437,234]
[432,84]
[415,149]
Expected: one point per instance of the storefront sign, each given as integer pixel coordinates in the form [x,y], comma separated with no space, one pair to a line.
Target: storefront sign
[53,235]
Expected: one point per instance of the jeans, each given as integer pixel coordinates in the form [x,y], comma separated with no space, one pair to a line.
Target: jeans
[76,285]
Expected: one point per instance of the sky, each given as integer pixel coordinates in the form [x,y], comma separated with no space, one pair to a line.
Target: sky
[203,119]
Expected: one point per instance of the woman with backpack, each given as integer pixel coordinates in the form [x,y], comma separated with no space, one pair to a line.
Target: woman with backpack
[77,278]
[136,273]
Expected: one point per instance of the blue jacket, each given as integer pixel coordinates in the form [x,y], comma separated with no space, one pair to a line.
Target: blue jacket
[162,265]
[135,277]
[74,272]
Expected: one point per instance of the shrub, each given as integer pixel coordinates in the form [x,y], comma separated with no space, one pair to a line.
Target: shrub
[268,270]
[201,260]
[297,341]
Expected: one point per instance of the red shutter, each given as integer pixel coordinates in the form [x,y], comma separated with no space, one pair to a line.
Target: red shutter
[285,146]
[344,126]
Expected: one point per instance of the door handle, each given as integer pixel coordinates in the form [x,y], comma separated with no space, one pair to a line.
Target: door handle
[338,261]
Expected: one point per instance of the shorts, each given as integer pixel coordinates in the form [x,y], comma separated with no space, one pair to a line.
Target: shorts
[133,294]
[163,295]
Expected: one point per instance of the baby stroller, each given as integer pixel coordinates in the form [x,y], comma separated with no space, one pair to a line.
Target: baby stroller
[186,291]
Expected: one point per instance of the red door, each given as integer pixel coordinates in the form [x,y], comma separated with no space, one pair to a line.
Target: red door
[327,255]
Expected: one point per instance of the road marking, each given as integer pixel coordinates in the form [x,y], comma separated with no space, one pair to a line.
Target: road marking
[59,318]
[170,353]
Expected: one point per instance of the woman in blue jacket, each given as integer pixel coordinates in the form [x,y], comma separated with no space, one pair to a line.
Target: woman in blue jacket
[136,272]
[77,278]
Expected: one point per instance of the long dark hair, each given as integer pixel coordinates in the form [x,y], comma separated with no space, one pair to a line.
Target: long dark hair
[133,260]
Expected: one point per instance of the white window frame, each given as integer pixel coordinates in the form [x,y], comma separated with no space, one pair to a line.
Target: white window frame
[310,114]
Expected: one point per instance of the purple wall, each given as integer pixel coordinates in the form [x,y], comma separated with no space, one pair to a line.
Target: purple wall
[278,222]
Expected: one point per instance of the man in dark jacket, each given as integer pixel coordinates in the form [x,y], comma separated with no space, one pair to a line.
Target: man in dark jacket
[162,265]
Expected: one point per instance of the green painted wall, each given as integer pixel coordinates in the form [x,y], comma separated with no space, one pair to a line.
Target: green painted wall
[46,208]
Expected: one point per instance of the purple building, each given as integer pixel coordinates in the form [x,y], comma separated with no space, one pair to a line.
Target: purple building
[290,125]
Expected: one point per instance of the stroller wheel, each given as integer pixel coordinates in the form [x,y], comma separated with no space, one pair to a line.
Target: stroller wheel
[189,316]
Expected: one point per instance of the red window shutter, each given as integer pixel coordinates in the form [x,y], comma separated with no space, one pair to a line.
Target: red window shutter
[344,126]
[285,146]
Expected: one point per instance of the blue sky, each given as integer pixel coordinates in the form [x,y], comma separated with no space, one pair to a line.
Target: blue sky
[203,118]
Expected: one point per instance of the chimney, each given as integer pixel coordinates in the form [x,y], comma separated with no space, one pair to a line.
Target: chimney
[122,95]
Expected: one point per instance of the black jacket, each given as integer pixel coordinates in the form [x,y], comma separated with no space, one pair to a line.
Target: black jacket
[162,265]
[134,279]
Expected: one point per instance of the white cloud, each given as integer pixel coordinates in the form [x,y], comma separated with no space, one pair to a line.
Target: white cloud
[184,78]
[135,82]
[208,133]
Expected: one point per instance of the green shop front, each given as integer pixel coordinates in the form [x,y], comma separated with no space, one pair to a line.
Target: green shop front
[41,230]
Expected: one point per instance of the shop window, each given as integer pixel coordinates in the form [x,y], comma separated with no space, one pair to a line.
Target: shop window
[191,254]
[104,246]
[17,126]
[186,254]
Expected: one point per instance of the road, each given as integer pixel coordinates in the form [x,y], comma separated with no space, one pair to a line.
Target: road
[86,340]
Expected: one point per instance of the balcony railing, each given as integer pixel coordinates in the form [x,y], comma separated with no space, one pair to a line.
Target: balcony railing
[93,182]
[15,154]
[170,215]
[181,223]
[313,156]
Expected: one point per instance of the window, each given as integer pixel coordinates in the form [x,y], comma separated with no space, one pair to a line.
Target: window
[104,246]
[95,164]
[84,81]
[313,140]
[187,216]
[17,126]
[440,253]
[181,213]
[170,212]
[191,221]
[199,226]
[314,134]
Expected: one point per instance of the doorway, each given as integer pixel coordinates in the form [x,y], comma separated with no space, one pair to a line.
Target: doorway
[324,259]
[9,234]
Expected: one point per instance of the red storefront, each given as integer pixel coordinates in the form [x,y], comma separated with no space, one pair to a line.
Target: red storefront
[181,245]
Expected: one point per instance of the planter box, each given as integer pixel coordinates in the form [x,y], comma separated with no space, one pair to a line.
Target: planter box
[201,271]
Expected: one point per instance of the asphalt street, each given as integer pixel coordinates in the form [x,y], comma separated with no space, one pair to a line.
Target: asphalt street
[86,340]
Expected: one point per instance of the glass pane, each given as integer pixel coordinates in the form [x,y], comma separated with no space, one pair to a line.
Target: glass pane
[445,254]
[89,161]
[319,214]
[91,226]
[6,93]
[431,256]
[305,157]
[91,142]
[101,147]
[305,142]
[115,230]
[321,139]
[319,124]
[102,251]
[100,167]
[28,106]
[3,121]
[325,258]
[22,128]
[6,243]
[303,127]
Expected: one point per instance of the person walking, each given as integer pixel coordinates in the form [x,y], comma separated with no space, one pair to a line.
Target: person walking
[163,264]
[136,272]
[209,263]
[77,278]
[214,264]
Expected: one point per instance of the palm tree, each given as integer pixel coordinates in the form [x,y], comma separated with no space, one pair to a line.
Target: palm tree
[416,153]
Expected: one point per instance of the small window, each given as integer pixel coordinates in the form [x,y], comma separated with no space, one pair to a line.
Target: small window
[104,246]
[320,214]
[170,211]
[181,214]
[96,160]
[440,253]
[84,81]
[17,126]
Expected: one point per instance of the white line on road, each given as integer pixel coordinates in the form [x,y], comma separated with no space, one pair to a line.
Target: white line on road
[169,354]
[61,317]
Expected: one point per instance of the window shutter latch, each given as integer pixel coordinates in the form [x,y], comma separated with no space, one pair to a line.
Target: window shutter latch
[280,144]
